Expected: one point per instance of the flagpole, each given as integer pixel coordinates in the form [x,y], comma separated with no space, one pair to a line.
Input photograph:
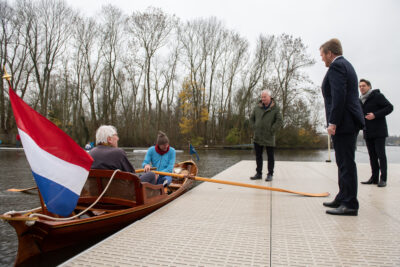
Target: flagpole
[7,77]
[190,152]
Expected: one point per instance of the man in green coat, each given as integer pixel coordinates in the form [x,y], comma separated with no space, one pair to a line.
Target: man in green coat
[266,120]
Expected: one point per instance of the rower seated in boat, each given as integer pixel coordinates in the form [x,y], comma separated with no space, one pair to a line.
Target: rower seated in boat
[108,156]
[161,156]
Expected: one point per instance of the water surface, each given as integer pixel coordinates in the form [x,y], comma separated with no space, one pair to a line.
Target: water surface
[16,174]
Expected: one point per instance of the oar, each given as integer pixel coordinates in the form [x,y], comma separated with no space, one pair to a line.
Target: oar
[242,184]
[35,187]
[142,170]
[21,190]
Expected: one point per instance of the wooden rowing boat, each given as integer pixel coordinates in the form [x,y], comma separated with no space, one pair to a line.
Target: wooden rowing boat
[125,201]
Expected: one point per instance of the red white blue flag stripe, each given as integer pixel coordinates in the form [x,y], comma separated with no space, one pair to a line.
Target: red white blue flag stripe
[59,165]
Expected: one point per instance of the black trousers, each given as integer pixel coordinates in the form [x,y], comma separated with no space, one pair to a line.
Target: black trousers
[377,157]
[345,147]
[259,158]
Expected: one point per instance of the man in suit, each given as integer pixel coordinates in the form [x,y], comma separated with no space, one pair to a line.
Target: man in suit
[375,107]
[344,120]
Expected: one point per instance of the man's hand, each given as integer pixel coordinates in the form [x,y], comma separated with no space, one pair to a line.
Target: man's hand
[331,129]
[147,168]
[370,116]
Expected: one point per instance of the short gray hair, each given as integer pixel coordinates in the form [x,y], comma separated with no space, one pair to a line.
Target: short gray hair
[268,92]
[104,132]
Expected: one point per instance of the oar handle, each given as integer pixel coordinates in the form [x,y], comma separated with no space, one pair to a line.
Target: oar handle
[142,170]
[261,187]
[171,174]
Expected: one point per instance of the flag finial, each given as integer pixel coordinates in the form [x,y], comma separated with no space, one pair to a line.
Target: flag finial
[6,76]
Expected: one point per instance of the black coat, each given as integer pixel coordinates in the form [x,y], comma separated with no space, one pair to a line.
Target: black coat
[340,92]
[376,103]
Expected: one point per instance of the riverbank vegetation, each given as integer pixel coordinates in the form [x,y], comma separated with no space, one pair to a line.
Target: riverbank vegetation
[196,80]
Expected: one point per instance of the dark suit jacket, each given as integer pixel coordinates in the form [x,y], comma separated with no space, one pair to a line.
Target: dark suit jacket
[340,91]
[380,106]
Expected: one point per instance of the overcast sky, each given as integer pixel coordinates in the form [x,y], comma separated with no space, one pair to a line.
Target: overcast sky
[369,31]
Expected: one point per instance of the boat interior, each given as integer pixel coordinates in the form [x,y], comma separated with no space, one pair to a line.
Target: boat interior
[124,192]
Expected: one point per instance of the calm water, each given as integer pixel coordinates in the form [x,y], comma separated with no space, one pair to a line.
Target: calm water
[16,174]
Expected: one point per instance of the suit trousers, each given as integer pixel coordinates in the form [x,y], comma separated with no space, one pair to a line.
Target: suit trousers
[345,147]
[259,158]
[377,157]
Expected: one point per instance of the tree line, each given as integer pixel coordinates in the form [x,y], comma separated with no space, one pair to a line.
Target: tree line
[146,71]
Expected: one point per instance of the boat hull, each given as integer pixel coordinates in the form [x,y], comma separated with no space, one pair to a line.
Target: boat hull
[49,235]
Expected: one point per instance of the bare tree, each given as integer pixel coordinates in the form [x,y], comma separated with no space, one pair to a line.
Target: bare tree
[289,83]
[202,45]
[13,56]
[88,57]
[150,30]
[47,29]
[134,70]
[6,36]
[192,59]
[256,72]
[235,53]
[163,86]
[112,31]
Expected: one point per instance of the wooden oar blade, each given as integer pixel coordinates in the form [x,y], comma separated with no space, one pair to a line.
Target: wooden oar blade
[262,187]
[14,190]
[325,194]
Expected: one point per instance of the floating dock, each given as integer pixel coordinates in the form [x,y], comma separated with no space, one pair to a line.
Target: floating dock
[223,225]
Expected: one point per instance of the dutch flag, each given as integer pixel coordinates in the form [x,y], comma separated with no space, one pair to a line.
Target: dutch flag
[59,165]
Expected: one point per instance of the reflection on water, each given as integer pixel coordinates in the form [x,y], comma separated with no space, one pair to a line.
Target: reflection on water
[16,174]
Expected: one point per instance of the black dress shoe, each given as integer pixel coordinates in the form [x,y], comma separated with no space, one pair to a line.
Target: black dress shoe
[333,204]
[256,177]
[370,181]
[343,210]
[269,178]
[382,183]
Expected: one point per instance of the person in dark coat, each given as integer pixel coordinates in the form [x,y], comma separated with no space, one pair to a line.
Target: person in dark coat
[108,156]
[375,107]
[266,119]
[344,120]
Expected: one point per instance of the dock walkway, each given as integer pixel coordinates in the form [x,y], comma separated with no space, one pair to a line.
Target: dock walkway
[222,225]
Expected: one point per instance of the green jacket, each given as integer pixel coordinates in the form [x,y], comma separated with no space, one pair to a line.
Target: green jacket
[266,123]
